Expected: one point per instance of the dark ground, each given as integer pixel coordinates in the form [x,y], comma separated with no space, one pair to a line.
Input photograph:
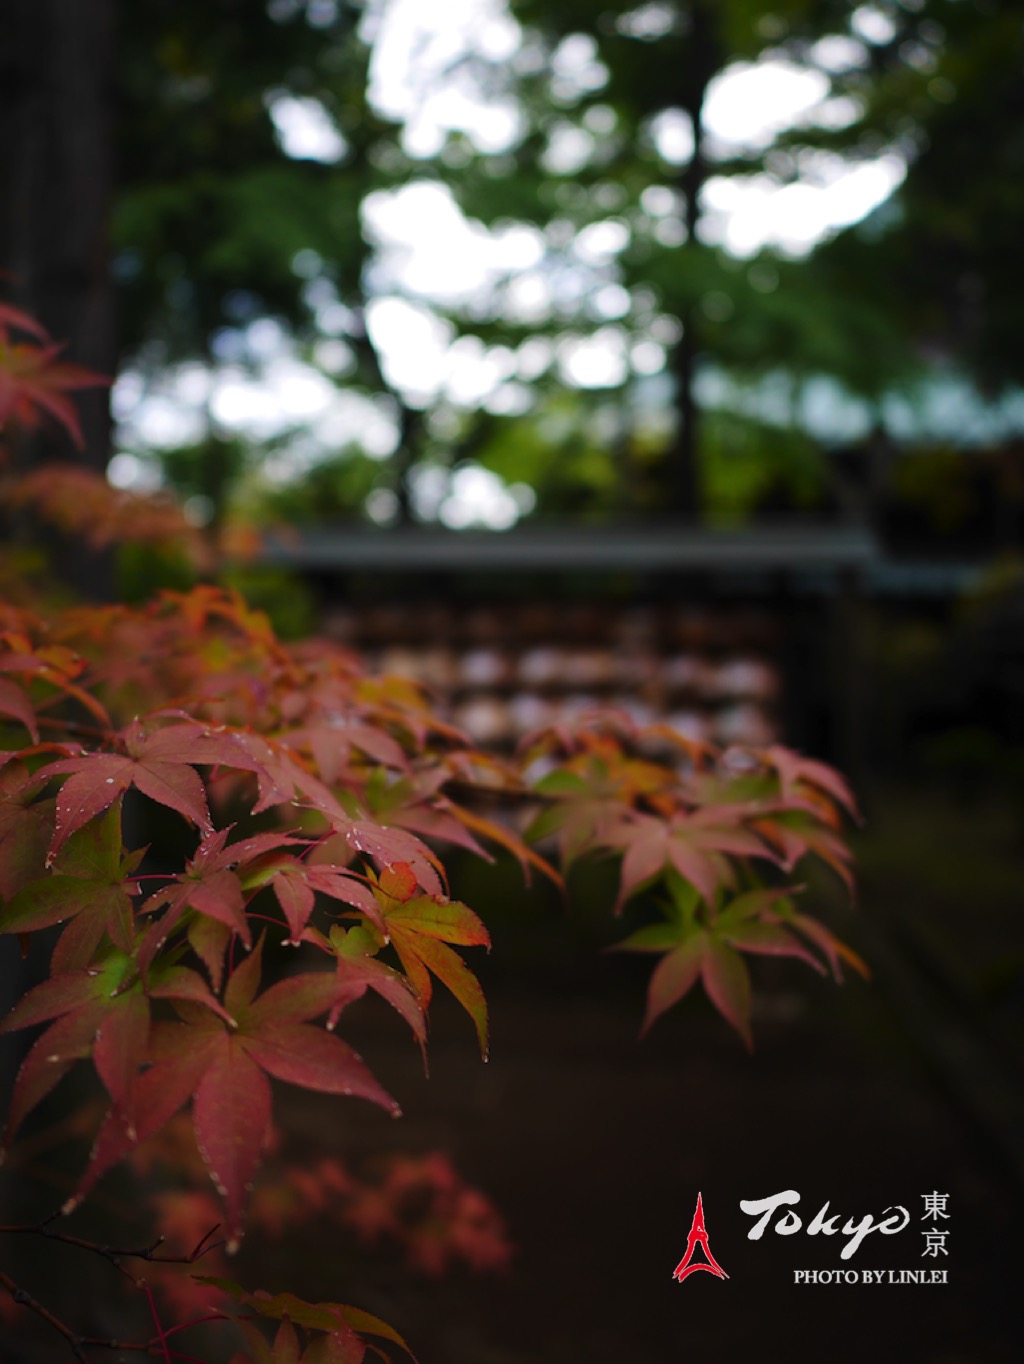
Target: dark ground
[595,1145]
[595,1149]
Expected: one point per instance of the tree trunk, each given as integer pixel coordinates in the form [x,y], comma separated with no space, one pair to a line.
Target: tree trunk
[56,92]
[702,61]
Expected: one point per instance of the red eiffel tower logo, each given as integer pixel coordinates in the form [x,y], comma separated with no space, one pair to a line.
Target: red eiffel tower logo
[697,1233]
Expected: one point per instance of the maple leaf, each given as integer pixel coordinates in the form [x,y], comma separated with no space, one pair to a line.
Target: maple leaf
[332,740]
[358,972]
[64,993]
[697,956]
[227,1072]
[282,778]
[159,760]
[26,826]
[710,952]
[756,922]
[102,1013]
[90,878]
[181,983]
[215,893]
[796,833]
[420,928]
[328,1317]
[211,885]
[226,1067]
[15,702]
[178,1057]
[296,883]
[510,841]
[21,321]
[577,818]
[87,1005]
[797,773]
[690,842]
[82,504]
[593,792]
[34,381]
[284,1350]
[48,1060]
[389,847]
[417,803]
[54,665]
[120,1048]
[210,940]
[826,941]
[159,764]
[232,1115]
[727,983]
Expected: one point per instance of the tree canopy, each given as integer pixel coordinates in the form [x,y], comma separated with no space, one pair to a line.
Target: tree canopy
[547,244]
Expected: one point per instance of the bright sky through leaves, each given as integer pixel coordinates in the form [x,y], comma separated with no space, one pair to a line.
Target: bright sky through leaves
[428,255]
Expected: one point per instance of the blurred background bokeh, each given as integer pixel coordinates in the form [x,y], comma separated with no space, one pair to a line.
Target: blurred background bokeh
[659,355]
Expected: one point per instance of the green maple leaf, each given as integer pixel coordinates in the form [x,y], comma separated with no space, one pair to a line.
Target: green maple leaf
[90,883]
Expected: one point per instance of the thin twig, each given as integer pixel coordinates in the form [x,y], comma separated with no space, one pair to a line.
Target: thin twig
[25,1299]
[112,1253]
[78,1343]
[75,726]
[165,1349]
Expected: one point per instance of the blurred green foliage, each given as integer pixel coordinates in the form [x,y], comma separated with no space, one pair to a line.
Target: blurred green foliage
[215,227]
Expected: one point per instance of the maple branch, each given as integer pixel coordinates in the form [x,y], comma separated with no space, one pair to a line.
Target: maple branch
[25,1299]
[74,726]
[196,1321]
[498,794]
[79,1344]
[114,1254]
[165,1349]
[265,918]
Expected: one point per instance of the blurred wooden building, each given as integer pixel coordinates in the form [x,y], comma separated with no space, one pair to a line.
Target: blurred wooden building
[742,636]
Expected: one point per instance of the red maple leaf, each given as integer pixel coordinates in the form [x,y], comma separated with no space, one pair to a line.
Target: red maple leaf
[226,1067]
[95,1015]
[211,884]
[332,740]
[159,760]
[33,381]
[296,884]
